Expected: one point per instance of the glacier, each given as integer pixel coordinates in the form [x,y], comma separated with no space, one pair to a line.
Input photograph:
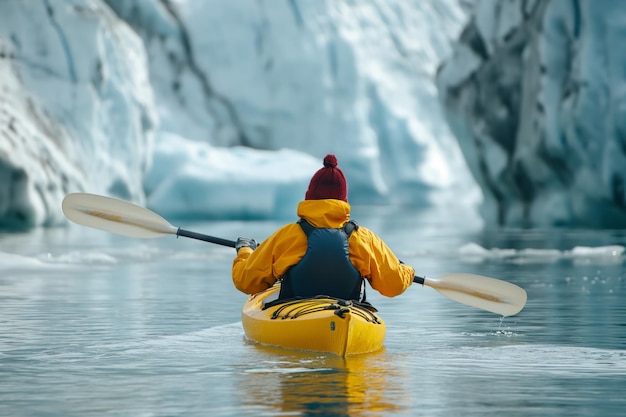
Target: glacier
[535,92]
[212,109]
[77,111]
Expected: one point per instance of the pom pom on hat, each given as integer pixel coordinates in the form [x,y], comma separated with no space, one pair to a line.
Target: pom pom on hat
[328,182]
[330,161]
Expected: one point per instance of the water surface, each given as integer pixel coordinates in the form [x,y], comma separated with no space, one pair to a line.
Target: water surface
[93,324]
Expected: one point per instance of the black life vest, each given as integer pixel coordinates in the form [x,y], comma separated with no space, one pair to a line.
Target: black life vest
[325,268]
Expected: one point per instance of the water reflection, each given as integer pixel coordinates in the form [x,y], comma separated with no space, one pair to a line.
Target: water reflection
[311,384]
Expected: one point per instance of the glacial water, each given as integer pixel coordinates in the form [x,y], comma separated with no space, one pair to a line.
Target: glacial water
[94,324]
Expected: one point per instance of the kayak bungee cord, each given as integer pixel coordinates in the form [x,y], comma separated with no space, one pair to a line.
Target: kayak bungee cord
[297,308]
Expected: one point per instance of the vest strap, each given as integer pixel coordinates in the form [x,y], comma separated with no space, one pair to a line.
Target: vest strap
[349,227]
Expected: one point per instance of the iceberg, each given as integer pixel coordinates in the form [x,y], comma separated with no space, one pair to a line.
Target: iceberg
[535,93]
[76,108]
[139,100]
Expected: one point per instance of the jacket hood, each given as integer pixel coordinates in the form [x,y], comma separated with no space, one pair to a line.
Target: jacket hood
[324,213]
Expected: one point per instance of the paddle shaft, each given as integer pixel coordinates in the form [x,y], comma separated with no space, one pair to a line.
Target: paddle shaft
[121,217]
[205,238]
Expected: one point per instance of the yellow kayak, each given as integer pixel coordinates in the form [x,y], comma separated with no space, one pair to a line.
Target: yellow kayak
[318,324]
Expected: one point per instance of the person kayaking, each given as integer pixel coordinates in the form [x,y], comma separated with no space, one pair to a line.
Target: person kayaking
[324,252]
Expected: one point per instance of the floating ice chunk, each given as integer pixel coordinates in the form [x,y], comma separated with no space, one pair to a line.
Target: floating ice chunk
[80,258]
[603,251]
[473,249]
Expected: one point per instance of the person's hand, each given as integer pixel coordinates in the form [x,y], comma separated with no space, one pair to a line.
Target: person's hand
[245,242]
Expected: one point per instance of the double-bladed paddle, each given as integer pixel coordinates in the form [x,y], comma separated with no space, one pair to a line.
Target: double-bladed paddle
[124,218]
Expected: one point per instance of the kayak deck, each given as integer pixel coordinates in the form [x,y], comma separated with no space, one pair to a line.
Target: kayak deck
[320,324]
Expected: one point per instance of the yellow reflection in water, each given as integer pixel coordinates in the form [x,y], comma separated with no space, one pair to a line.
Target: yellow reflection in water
[305,384]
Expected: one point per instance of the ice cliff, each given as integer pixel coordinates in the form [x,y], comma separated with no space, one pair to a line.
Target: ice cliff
[535,92]
[211,108]
[76,109]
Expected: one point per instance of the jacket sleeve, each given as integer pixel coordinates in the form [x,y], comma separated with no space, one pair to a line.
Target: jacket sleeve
[256,271]
[376,262]
[252,270]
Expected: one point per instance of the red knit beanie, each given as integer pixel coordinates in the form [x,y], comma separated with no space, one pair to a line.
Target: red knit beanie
[328,182]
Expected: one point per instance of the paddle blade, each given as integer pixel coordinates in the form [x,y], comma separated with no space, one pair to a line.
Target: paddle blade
[489,294]
[116,216]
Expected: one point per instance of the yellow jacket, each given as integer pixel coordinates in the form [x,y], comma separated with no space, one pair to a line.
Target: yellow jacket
[255,271]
